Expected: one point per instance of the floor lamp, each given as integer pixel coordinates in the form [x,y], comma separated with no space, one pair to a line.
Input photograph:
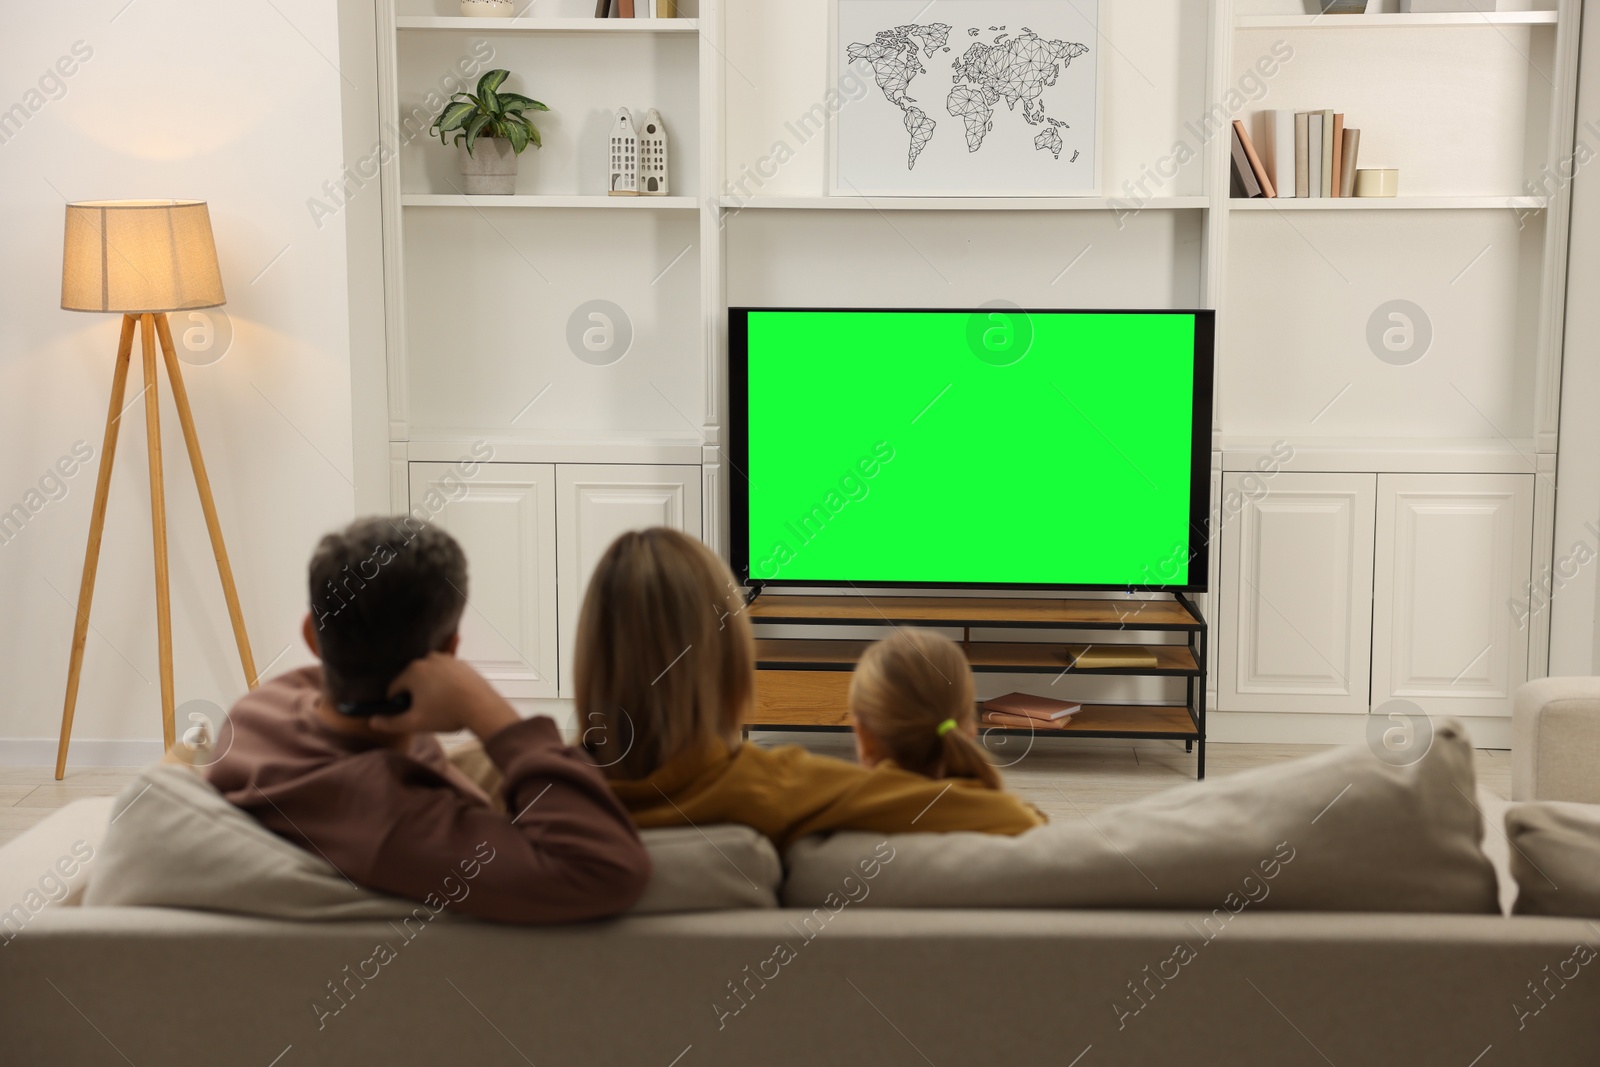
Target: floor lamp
[142,259]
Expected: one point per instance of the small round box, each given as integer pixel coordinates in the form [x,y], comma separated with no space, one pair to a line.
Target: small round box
[1378,182]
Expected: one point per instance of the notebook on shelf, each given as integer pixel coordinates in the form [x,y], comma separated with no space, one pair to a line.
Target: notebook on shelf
[1027,706]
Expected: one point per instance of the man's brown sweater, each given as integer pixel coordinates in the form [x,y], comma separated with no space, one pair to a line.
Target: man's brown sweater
[403,822]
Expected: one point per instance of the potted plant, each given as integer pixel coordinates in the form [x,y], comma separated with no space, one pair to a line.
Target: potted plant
[491,132]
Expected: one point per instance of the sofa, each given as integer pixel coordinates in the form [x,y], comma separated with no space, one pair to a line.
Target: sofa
[865,983]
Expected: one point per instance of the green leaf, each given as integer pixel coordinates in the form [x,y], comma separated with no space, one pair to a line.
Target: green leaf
[518,102]
[492,80]
[474,128]
[517,133]
[453,116]
[533,135]
[491,103]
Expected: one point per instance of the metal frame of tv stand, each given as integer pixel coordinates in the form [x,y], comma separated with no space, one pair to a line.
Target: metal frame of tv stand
[1197,633]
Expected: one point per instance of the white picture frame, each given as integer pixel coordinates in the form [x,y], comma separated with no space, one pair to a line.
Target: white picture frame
[870,139]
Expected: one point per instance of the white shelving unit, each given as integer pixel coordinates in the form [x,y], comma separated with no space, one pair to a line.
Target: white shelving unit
[1476,110]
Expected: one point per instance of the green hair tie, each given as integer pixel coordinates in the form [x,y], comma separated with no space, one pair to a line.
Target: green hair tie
[946,726]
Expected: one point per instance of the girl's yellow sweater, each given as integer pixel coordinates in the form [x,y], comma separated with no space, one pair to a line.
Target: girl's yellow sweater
[788,793]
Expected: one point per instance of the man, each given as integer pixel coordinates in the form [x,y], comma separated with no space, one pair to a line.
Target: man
[332,758]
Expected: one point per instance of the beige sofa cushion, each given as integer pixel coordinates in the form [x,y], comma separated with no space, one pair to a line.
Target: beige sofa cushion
[1555,856]
[176,842]
[1338,831]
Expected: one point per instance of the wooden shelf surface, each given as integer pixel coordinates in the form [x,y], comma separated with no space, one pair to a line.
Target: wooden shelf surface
[989,656]
[975,611]
[1141,719]
[1095,720]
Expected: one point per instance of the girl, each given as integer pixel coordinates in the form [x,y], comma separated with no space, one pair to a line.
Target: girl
[911,700]
[664,673]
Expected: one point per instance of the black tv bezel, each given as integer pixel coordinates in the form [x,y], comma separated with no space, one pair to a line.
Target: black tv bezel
[1199,458]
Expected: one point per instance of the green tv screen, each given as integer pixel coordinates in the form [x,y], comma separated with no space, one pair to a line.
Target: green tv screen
[986,447]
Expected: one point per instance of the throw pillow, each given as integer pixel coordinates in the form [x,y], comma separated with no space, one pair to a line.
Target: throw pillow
[1555,856]
[1337,831]
[174,841]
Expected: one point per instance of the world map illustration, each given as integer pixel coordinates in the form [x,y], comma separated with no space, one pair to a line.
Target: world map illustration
[1016,69]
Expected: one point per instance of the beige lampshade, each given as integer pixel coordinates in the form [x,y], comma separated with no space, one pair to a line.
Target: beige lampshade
[137,256]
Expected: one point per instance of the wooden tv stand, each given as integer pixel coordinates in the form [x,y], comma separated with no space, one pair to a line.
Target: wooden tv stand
[802,682]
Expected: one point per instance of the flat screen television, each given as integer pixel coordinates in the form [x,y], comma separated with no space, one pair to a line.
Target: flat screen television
[989,447]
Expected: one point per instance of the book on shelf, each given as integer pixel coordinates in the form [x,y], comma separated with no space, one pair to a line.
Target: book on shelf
[1257,168]
[1314,153]
[1023,722]
[1338,153]
[1102,657]
[1277,143]
[1347,162]
[636,9]
[1034,709]
[1302,159]
[1325,169]
[1243,183]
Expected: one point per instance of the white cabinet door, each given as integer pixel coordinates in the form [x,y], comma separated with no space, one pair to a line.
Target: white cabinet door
[597,503]
[1453,551]
[504,515]
[1296,593]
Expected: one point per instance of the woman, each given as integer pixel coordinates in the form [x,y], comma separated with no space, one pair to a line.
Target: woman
[664,675]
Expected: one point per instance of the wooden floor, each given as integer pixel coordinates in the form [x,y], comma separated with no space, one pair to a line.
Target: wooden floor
[1065,779]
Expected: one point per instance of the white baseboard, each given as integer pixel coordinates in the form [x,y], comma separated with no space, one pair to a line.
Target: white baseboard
[84,752]
[1295,728]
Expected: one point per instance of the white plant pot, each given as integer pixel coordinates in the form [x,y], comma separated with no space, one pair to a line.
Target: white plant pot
[487,9]
[491,168]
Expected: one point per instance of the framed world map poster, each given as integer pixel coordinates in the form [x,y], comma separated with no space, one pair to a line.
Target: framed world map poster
[967,98]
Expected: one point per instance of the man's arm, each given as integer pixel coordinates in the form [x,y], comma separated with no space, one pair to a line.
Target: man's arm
[565,850]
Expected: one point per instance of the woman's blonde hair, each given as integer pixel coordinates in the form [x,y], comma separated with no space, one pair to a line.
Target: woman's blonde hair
[905,688]
[665,660]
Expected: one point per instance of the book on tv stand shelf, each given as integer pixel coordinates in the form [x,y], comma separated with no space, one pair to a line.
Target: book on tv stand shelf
[1103,656]
[1024,722]
[1030,709]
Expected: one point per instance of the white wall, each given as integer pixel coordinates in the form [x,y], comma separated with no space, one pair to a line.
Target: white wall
[237,104]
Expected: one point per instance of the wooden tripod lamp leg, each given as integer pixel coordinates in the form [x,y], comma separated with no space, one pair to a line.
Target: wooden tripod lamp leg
[97,524]
[180,396]
[158,526]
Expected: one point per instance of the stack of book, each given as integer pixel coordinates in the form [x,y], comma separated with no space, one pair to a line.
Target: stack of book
[636,9]
[1029,712]
[1303,153]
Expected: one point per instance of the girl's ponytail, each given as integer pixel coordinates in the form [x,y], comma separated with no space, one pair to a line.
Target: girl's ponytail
[963,757]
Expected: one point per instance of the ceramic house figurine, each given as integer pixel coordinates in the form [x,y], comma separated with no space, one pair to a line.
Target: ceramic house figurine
[652,155]
[624,168]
